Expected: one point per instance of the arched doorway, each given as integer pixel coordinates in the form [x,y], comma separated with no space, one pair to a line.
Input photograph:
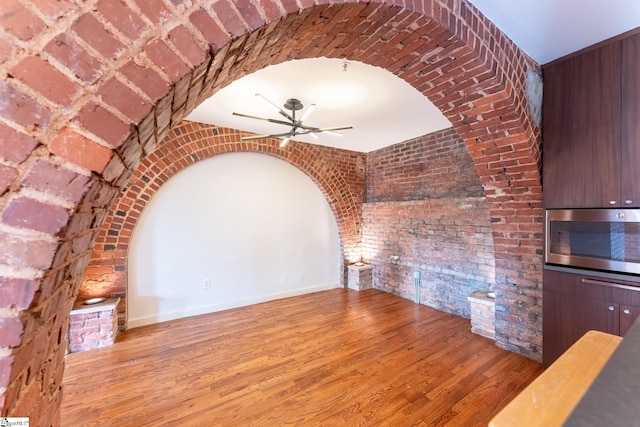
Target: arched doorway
[258,229]
[148,65]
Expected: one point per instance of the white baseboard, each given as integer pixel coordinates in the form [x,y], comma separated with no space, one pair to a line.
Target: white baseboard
[163,317]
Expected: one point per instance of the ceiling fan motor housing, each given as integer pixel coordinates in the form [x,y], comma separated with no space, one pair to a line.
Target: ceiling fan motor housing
[293,104]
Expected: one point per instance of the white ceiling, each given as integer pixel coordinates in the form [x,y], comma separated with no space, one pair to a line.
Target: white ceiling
[550,29]
[366,97]
[382,108]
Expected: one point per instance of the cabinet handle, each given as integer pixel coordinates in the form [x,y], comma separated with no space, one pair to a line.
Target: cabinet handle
[588,281]
[612,202]
[612,308]
[626,311]
[628,202]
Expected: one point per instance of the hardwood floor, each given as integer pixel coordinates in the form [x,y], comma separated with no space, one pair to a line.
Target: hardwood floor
[338,357]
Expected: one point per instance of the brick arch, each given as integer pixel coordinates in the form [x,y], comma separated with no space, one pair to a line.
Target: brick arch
[339,174]
[92,88]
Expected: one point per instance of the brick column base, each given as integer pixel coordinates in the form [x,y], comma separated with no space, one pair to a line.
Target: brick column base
[360,277]
[93,326]
[483,314]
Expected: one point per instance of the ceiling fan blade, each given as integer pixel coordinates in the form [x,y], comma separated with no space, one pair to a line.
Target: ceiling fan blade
[251,138]
[277,135]
[249,116]
[297,128]
[334,128]
[275,107]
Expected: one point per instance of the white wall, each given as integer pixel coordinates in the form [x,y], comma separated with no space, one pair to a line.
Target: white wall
[255,226]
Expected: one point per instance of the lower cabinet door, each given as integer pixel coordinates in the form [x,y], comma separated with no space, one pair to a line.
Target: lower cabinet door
[628,315]
[567,317]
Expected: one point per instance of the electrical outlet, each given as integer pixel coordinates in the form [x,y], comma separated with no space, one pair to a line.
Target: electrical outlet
[206,284]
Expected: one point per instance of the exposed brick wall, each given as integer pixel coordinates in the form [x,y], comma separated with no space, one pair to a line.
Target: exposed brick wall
[339,174]
[434,165]
[430,221]
[126,71]
[448,240]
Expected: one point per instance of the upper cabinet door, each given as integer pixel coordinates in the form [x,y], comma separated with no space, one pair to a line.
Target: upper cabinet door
[631,120]
[581,130]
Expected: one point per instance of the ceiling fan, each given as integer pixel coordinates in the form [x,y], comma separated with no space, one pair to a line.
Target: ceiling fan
[297,127]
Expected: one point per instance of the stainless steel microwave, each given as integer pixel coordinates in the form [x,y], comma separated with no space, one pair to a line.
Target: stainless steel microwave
[599,239]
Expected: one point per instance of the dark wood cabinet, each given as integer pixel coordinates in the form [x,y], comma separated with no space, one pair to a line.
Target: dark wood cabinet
[631,118]
[591,149]
[628,315]
[581,134]
[576,303]
[591,130]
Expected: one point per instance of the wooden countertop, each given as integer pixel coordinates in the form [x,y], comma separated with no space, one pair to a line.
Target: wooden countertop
[549,399]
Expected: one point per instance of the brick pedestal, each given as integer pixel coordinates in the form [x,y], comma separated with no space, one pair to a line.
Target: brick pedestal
[360,277]
[93,326]
[483,314]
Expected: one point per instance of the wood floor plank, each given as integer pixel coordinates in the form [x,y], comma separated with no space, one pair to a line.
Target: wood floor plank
[337,357]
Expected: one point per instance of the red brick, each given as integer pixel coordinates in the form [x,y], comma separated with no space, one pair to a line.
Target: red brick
[16,293]
[54,9]
[249,13]
[10,331]
[123,18]
[80,150]
[15,146]
[60,182]
[115,170]
[290,6]
[22,252]
[35,215]
[146,79]
[155,10]
[6,48]
[88,28]
[28,403]
[166,60]
[184,41]
[271,10]
[125,100]
[7,175]
[68,52]
[210,30]
[22,109]
[46,79]
[19,21]
[229,18]
[104,125]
